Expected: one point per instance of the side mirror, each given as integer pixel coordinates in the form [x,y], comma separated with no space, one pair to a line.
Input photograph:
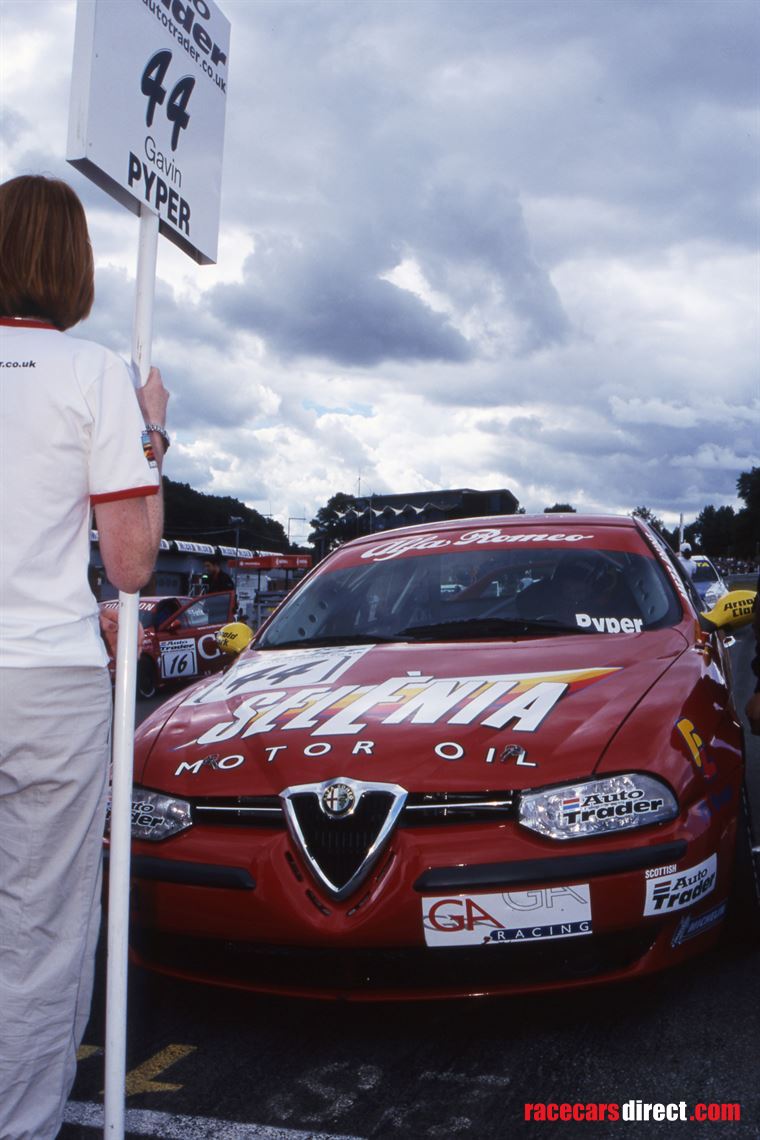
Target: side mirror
[732,611]
[234,637]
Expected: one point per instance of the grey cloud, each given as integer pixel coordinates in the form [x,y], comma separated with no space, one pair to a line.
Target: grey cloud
[200,473]
[174,319]
[532,158]
[662,468]
[327,302]
[402,158]
[463,224]
[12,127]
[199,400]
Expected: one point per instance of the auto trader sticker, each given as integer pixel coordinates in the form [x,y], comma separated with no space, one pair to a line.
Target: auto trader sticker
[682,888]
[178,658]
[511,916]
[520,701]
[608,805]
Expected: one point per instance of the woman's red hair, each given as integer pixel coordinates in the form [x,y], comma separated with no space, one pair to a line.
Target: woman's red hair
[46,266]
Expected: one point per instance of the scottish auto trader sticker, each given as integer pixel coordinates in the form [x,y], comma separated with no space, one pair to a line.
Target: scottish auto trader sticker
[509,916]
[681,888]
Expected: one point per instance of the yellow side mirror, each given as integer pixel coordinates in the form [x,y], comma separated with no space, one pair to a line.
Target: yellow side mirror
[734,609]
[234,637]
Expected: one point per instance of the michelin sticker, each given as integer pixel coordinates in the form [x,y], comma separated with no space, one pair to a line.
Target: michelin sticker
[682,888]
[691,926]
[511,916]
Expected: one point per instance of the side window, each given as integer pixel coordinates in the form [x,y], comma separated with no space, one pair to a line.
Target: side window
[217,607]
[194,616]
[164,611]
[148,618]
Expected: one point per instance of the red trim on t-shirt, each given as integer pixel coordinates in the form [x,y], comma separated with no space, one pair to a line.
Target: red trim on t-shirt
[26,323]
[132,493]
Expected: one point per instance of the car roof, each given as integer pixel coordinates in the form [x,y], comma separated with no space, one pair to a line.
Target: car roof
[546,521]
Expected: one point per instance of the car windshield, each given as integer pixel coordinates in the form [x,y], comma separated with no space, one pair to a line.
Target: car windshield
[705,571]
[457,594]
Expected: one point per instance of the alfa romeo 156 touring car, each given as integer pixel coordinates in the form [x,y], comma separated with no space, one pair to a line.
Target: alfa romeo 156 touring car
[487,756]
[179,638]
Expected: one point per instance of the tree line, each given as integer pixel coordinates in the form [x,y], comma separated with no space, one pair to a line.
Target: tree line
[719,532]
[722,532]
[198,517]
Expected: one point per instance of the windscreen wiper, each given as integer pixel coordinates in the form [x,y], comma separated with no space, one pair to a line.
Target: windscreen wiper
[333,639]
[463,628]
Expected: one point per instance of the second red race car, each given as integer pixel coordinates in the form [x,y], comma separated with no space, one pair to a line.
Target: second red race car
[487,756]
[179,638]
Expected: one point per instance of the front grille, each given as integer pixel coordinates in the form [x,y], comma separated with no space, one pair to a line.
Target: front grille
[339,847]
[420,808]
[249,811]
[458,807]
[420,969]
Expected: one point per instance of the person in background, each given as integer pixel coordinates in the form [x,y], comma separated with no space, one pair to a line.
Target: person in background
[215,577]
[73,437]
[686,560]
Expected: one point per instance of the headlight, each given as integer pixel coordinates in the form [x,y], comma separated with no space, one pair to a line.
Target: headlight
[598,807]
[155,816]
[713,594]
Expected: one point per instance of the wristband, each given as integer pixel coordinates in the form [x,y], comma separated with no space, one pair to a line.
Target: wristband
[159,430]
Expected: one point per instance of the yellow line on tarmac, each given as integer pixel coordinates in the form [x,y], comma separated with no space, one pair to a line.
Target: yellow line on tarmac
[85,1051]
[141,1079]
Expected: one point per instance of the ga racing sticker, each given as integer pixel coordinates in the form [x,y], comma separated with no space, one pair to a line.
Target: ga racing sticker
[511,916]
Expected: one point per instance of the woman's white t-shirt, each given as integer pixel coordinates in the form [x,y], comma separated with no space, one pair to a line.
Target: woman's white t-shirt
[70,437]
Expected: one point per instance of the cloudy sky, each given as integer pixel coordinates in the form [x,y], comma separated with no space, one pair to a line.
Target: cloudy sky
[464,243]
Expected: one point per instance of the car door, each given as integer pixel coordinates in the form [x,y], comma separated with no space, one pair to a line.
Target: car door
[187,641]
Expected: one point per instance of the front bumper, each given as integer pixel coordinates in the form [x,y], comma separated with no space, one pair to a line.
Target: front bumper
[237,907]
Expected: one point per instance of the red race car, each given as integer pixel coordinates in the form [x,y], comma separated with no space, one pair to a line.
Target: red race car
[487,756]
[179,638]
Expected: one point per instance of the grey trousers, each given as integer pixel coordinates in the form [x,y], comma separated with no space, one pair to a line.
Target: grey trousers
[54,757]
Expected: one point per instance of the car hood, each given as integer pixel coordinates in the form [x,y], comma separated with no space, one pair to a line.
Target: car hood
[428,717]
